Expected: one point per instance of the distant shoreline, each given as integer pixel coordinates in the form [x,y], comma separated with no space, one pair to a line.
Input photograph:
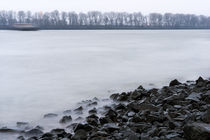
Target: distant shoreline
[114,28]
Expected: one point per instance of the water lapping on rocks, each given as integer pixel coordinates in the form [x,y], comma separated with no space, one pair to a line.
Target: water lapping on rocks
[180,111]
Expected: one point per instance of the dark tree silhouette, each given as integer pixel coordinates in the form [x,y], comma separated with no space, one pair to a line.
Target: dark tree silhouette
[108,20]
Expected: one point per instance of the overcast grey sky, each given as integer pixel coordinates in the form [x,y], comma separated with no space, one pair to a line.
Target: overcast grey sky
[145,6]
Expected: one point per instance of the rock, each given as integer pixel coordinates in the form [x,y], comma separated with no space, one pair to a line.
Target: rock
[110,127]
[66,119]
[58,132]
[98,135]
[92,120]
[194,97]
[206,97]
[104,120]
[114,96]
[131,114]
[174,83]
[80,135]
[135,95]
[93,111]
[33,132]
[197,131]
[122,97]
[79,108]
[39,127]
[93,116]
[85,127]
[50,115]
[67,112]
[172,136]
[111,114]
[8,130]
[22,125]
[93,104]
[199,81]
[20,138]
[33,138]
[206,116]
[174,112]
[120,107]
[79,119]
[140,107]
[68,136]
[47,136]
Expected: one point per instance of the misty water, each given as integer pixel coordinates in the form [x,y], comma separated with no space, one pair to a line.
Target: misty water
[50,71]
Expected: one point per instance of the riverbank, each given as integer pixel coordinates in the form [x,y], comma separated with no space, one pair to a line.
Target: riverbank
[179,111]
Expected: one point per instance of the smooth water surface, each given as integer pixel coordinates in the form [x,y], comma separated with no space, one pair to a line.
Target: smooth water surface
[49,71]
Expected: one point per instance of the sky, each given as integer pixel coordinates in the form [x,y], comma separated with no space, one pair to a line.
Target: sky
[145,6]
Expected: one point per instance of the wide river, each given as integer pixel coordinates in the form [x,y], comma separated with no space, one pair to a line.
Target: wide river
[49,71]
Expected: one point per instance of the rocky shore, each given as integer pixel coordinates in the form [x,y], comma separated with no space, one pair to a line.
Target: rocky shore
[180,111]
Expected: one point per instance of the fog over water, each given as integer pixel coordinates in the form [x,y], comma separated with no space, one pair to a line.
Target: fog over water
[49,71]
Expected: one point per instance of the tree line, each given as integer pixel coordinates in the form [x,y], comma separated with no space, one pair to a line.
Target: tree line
[96,19]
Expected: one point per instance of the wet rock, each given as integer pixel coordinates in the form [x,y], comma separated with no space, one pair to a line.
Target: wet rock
[93,111]
[92,120]
[66,119]
[79,108]
[131,114]
[140,107]
[110,127]
[206,116]
[104,120]
[85,127]
[122,97]
[39,127]
[200,81]
[79,119]
[33,138]
[33,132]
[136,95]
[206,97]
[50,115]
[8,130]
[23,125]
[197,131]
[93,104]
[194,97]
[111,114]
[58,132]
[173,136]
[68,136]
[80,135]
[175,112]
[174,83]
[114,96]
[120,107]
[67,112]
[20,138]
[98,135]
[46,136]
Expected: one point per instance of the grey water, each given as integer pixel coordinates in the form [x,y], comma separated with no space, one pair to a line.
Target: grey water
[49,71]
